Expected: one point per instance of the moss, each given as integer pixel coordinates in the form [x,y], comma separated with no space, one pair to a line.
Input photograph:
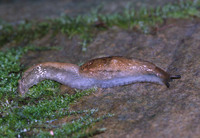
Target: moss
[87,25]
[79,127]
[33,115]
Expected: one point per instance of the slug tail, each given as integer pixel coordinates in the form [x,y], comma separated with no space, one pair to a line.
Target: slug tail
[31,77]
[21,88]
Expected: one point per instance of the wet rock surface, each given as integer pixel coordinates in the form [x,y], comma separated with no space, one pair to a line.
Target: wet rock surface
[143,109]
[148,110]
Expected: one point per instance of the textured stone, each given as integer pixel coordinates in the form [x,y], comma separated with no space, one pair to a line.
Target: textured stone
[142,109]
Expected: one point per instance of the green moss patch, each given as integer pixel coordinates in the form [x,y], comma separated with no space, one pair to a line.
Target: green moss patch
[34,114]
[86,26]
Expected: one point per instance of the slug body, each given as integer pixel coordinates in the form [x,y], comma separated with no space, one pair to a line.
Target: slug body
[102,72]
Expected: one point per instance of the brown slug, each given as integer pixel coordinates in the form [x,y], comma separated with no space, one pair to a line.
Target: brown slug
[101,72]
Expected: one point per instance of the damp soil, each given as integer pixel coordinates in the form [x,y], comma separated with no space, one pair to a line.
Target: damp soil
[142,109]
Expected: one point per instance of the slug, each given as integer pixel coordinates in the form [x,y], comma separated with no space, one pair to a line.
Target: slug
[101,72]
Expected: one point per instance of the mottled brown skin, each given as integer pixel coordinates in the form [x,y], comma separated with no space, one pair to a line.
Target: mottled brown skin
[110,67]
[102,72]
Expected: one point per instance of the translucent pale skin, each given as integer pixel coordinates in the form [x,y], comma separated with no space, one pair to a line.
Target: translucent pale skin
[102,72]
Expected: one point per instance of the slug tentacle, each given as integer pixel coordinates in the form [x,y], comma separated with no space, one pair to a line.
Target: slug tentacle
[175,77]
[102,72]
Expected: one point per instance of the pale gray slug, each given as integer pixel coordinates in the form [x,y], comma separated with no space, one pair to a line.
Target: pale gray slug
[101,72]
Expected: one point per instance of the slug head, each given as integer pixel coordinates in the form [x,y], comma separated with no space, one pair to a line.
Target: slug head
[166,77]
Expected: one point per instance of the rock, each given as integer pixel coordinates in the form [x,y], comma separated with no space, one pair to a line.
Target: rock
[142,109]
[148,110]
